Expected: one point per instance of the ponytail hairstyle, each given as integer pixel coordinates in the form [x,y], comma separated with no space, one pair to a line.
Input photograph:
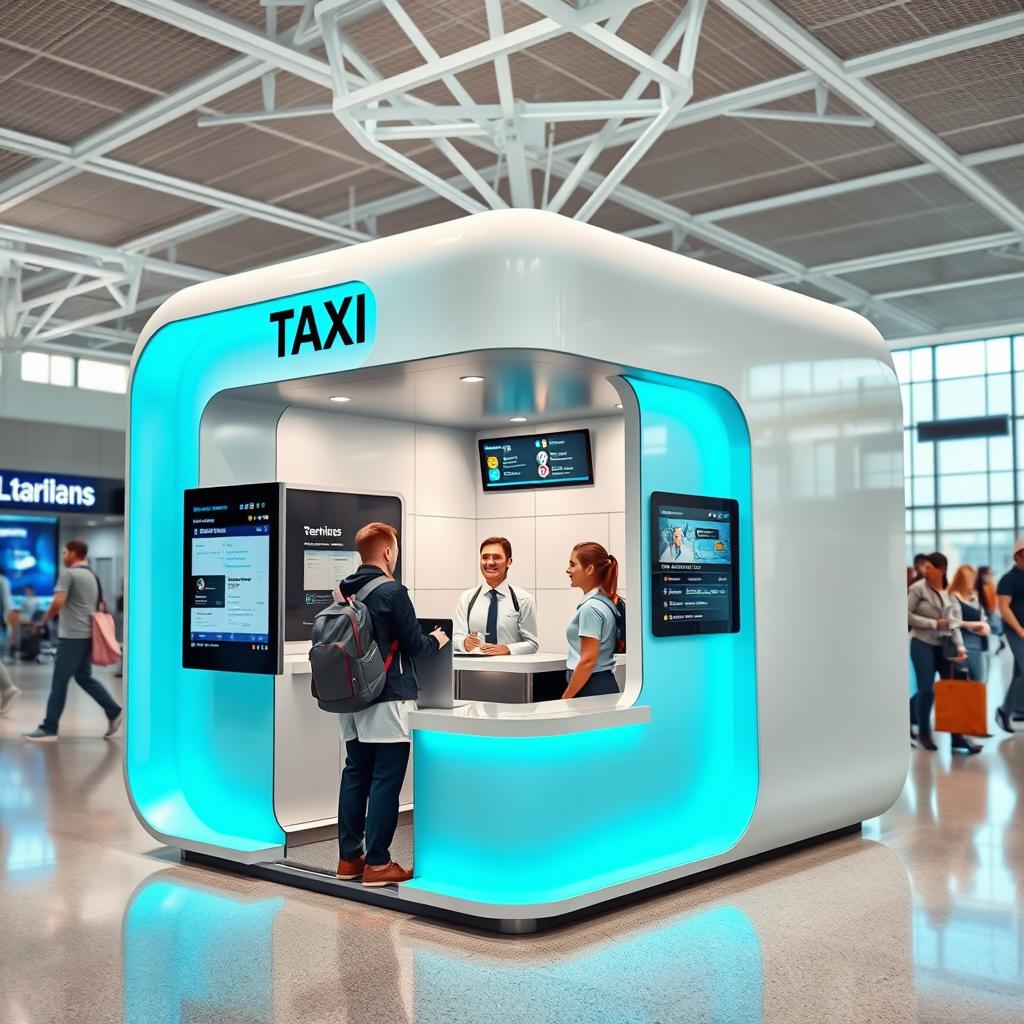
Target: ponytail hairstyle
[606,566]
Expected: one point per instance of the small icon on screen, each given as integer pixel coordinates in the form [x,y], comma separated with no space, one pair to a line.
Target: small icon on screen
[492,461]
[494,474]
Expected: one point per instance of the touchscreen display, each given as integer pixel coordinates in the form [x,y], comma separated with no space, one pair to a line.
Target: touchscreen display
[559,459]
[694,562]
[231,614]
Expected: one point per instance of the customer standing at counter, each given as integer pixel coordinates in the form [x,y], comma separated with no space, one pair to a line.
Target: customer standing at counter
[377,738]
[592,633]
[505,618]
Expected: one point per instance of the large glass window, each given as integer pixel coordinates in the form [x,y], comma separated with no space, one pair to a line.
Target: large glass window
[964,498]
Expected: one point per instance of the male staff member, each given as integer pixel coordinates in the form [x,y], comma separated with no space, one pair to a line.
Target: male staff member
[505,617]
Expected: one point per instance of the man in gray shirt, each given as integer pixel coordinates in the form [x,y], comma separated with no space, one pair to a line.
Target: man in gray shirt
[77,596]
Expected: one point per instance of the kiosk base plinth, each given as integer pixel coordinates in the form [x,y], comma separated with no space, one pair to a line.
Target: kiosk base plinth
[390,897]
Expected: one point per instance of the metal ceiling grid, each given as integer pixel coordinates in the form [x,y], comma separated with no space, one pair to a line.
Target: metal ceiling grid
[853,27]
[962,267]
[961,90]
[133,48]
[1008,175]
[925,206]
[42,26]
[731,57]
[311,165]
[247,244]
[61,103]
[966,306]
[97,209]
[11,162]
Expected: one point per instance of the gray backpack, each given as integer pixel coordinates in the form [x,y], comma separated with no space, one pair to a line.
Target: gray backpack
[348,670]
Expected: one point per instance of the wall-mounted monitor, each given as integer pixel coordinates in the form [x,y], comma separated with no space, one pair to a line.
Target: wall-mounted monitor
[28,553]
[694,564]
[231,613]
[320,548]
[558,459]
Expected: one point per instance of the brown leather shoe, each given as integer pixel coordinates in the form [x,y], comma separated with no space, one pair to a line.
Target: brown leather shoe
[385,874]
[350,869]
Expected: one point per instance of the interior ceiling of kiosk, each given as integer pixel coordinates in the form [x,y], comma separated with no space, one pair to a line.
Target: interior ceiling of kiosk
[103,161]
[543,387]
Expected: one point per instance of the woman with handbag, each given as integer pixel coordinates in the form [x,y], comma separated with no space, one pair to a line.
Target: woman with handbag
[935,642]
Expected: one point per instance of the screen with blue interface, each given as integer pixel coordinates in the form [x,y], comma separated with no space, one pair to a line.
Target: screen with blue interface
[694,565]
[559,459]
[231,614]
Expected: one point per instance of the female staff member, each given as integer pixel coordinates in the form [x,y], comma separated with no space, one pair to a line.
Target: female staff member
[592,632]
[934,620]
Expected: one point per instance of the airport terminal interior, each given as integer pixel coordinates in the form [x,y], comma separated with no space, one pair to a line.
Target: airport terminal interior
[512,510]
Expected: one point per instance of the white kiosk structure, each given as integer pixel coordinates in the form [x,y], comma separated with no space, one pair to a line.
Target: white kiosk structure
[786,724]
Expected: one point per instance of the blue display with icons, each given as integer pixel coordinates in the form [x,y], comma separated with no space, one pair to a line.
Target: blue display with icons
[557,459]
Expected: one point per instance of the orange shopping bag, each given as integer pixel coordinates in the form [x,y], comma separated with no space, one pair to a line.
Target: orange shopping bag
[960,707]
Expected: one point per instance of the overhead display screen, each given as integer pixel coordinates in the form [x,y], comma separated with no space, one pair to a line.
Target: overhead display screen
[231,615]
[28,554]
[694,565]
[320,548]
[560,459]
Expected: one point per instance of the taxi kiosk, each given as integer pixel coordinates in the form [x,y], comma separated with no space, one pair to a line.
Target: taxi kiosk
[761,472]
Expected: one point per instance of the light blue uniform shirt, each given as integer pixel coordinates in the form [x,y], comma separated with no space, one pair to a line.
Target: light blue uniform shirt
[595,619]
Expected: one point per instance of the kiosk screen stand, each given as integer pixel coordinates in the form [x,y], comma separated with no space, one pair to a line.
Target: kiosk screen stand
[694,565]
[231,615]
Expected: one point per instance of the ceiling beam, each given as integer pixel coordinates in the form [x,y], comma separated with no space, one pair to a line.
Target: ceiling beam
[799,45]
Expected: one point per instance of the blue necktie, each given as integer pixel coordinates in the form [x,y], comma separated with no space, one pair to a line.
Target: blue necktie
[491,635]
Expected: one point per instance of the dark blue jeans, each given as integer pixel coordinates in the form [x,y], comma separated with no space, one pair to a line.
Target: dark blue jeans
[74,658]
[1013,701]
[598,683]
[371,784]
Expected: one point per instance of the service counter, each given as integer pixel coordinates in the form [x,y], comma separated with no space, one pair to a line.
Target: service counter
[509,679]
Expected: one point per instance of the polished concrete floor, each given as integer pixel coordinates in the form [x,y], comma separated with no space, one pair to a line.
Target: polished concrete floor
[918,919]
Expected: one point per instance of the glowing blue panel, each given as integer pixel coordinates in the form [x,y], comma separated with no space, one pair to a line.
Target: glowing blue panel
[199,760]
[539,819]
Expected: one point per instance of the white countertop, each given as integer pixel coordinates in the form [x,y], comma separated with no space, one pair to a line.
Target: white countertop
[555,718]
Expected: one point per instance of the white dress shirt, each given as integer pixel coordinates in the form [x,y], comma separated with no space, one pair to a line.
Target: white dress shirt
[517,630]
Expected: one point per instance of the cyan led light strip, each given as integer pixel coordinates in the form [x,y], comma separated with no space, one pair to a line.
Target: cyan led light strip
[200,757]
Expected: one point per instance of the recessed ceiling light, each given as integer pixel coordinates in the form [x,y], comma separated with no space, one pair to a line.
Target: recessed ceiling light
[518,419]
[472,379]
[340,398]
[618,405]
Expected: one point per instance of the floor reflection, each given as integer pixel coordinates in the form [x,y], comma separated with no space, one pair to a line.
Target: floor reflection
[825,939]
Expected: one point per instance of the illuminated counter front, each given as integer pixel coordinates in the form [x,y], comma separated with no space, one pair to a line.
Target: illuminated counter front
[762,436]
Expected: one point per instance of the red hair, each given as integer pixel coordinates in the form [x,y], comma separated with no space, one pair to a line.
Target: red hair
[373,538]
[606,566]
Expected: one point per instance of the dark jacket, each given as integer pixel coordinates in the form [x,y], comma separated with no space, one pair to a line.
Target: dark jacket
[393,618]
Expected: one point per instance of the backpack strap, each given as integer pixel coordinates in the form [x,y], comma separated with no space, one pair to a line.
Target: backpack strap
[472,601]
[515,600]
[391,655]
[368,588]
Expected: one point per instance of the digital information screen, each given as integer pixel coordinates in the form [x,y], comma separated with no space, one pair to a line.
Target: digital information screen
[231,616]
[320,548]
[560,459]
[694,565]
[28,554]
